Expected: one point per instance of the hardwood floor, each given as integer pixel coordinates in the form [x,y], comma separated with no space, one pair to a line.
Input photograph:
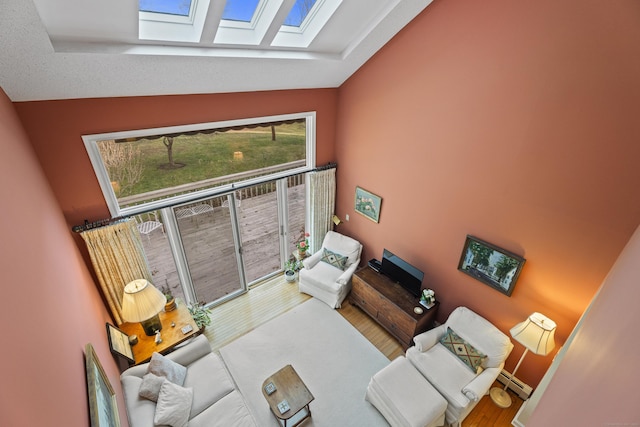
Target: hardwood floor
[276,296]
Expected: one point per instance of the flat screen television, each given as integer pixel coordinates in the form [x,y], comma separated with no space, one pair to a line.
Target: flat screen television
[398,270]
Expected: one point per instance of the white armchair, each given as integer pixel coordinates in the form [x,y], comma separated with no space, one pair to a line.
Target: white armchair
[456,381]
[321,278]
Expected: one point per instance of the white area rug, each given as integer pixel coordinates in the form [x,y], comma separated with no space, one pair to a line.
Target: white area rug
[333,359]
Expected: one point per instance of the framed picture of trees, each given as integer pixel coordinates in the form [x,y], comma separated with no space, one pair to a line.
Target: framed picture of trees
[491,265]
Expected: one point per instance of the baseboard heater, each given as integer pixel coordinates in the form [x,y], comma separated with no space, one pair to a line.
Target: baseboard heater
[517,386]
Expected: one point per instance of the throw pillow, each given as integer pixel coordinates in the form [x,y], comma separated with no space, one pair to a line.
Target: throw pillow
[174,405]
[332,258]
[150,387]
[165,367]
[465,351]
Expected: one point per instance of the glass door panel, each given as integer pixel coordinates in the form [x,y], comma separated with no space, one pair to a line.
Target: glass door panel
[206,231]
[164,274]
[257,211]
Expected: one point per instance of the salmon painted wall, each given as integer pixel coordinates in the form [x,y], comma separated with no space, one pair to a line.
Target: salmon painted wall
[51,306]
[515,122]
[55,129]
[588,387]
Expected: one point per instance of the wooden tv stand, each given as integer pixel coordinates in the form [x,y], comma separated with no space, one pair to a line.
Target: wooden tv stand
[390,305]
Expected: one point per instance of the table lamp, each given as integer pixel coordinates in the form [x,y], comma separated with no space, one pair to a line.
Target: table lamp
[536,335]
[142,302]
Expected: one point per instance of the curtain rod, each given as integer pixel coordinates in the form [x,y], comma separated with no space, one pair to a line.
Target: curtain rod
[108,221]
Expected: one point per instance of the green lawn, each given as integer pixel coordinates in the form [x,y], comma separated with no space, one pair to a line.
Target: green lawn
[208,156]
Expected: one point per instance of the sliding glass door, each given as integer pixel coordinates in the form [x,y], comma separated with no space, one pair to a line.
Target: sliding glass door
[207,231]
[223,245]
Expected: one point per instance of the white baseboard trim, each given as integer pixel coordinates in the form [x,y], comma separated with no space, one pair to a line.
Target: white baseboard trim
[517,386]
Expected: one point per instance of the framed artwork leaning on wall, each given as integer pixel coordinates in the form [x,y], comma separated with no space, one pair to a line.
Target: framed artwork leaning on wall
[490,264]
[103,408]
[368,204]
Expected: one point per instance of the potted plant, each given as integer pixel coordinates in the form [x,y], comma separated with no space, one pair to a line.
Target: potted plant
[201,315]
[303,244]
[171,301]
[291,268]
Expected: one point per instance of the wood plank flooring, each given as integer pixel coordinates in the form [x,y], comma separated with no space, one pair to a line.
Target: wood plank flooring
[262,303]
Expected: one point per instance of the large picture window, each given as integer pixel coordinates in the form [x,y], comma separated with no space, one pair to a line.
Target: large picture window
[154,168]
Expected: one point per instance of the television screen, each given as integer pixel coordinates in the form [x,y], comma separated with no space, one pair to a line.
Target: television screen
[402,272]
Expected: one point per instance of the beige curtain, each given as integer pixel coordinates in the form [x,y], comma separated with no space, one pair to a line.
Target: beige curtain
[322,186]
[118,258]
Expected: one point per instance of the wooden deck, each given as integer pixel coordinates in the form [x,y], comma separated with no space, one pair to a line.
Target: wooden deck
[207,240]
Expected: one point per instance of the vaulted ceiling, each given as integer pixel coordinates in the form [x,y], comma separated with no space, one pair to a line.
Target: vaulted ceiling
[63,49]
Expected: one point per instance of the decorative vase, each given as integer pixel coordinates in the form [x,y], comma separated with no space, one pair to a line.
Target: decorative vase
[302,253]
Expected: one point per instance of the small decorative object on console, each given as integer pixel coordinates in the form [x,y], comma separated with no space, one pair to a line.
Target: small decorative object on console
[428,298]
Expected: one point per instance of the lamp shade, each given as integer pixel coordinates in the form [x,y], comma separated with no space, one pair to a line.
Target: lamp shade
[536,334]
[141,301]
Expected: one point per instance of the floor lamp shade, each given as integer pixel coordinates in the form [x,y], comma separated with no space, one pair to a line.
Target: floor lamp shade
[142,302]
[536,334]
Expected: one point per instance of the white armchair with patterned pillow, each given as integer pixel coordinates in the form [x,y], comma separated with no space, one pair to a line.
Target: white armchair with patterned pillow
[461,359]
[327,273]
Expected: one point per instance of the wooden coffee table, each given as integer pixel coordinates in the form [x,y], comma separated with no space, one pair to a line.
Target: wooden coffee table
[290,388]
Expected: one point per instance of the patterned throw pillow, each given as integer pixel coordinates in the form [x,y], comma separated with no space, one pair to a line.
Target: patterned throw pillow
[337,260]
[465,351]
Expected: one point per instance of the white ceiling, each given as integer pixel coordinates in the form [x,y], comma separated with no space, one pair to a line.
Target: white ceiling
[64,49]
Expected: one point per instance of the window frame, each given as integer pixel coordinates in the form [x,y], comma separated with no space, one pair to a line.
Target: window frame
[91,145]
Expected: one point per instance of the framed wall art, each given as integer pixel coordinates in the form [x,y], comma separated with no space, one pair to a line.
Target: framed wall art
[368,204]
[103,408]
[119,343]
[490,264]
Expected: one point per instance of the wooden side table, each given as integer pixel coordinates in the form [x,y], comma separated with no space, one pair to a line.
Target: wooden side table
[171,335]
[290,388]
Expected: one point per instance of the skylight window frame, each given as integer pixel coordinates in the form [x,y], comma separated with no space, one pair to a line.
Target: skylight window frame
[305,22]
[169,17]
[302,37]
[174,28]
[251,25]
[248,34]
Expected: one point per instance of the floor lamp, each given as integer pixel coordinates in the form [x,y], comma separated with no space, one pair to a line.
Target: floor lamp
[536,335]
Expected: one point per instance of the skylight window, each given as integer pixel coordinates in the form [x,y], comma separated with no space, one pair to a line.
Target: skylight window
[169,7]
[299,12]
[240,10]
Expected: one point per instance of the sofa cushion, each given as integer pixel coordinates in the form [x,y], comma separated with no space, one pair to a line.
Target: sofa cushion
[174,405]
[334,259]
[164,367]
[210,382]
[231,410]
[344,245]
[463,350]
[150,387]
[448,374]
[322,276]
[483,335]
[140,411]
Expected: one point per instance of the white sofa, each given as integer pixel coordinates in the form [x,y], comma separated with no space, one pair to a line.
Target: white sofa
[216,400]
[322,280]
[455,381]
